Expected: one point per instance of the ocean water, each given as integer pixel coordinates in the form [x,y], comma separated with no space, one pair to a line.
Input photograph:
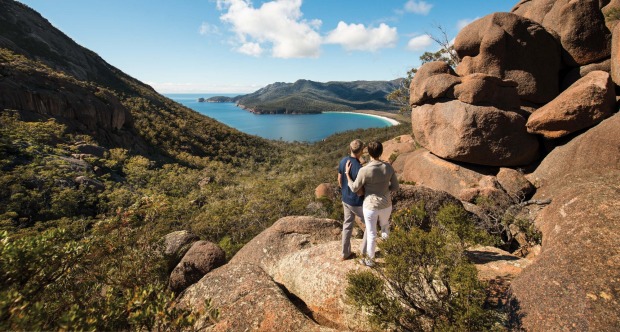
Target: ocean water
[287,127]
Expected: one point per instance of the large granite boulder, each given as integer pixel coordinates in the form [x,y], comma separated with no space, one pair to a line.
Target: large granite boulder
[287,235]
[503,45]
[574,283]
[199,260]
[247,299]
[482,89]
[397,146]
[578,25]
[483,135]
[302,254]
[596,149]
[425,169]
[176,245]
[587,102]
[433,80]
[318,277]
[436,81]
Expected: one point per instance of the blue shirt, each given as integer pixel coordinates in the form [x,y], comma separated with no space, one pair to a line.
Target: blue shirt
[348,196]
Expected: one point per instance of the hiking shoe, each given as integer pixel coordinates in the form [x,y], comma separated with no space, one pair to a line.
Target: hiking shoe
[367,261]
[350,256]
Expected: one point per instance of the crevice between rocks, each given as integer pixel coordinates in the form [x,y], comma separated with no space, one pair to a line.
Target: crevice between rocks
[304,309]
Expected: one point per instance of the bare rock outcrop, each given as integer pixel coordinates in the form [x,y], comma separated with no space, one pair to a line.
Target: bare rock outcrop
[247,299]
[493,263]
[200,259]
[596,149]
[290,276]
[575,281]
[578,25]
[319,278]
[482,135]
[92,108]
[397,146]
[586,103]
[287,235]
[502,45]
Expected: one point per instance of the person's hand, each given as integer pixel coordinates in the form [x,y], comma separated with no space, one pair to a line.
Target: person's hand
[348,167]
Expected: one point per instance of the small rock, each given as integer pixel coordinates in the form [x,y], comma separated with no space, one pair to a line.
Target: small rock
[199,260]
[326,190]
[514,183]
[176,245]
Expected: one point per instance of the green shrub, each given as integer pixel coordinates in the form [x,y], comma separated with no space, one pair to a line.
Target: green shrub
[425,282]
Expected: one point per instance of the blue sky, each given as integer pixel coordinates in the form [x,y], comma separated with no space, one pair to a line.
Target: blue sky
[239,46]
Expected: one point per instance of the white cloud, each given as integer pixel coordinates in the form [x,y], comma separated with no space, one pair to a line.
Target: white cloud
[208,29]
[277,22]
[419,43]
[356,37]
[253,49]
[460,24]
[418,7]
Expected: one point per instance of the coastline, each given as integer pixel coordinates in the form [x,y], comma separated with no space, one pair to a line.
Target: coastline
[393,119]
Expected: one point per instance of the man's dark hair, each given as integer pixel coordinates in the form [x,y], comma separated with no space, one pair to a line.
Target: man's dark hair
[375,149]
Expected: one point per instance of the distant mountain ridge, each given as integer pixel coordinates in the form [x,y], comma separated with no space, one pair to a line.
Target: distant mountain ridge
[45,74]
[305,96]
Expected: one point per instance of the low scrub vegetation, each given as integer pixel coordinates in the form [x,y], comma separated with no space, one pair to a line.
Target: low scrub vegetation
[85,254]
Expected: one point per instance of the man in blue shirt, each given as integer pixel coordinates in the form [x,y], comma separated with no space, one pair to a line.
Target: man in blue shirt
[351,202]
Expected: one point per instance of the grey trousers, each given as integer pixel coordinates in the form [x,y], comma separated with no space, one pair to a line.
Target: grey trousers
[347,227]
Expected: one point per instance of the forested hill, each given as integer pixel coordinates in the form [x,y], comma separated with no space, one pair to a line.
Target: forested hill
[45,74]
[306,96]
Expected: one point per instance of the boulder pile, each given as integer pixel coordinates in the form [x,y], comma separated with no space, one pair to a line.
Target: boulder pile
[530,110]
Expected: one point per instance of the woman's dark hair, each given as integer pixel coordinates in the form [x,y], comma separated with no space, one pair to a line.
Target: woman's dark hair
[375,149]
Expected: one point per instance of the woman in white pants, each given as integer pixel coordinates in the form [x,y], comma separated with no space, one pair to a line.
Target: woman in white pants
[378,179]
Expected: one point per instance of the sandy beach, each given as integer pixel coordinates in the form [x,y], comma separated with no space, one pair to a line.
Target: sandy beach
[393,118]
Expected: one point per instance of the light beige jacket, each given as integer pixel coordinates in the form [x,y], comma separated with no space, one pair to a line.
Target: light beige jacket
[378,179]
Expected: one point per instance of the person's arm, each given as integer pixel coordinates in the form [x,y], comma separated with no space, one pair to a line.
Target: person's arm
[356,184]
[339,180]
[394,181]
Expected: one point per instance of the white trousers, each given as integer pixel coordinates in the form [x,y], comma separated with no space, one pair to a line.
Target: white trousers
[370,219]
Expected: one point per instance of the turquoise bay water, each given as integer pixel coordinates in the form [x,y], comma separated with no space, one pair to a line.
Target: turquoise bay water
[287,127]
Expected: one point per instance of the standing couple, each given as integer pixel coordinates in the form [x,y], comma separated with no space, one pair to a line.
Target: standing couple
[366,194]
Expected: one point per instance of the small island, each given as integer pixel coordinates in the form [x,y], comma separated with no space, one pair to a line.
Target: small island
[217,99]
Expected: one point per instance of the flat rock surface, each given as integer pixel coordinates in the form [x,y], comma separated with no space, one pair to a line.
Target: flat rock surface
[574,284]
